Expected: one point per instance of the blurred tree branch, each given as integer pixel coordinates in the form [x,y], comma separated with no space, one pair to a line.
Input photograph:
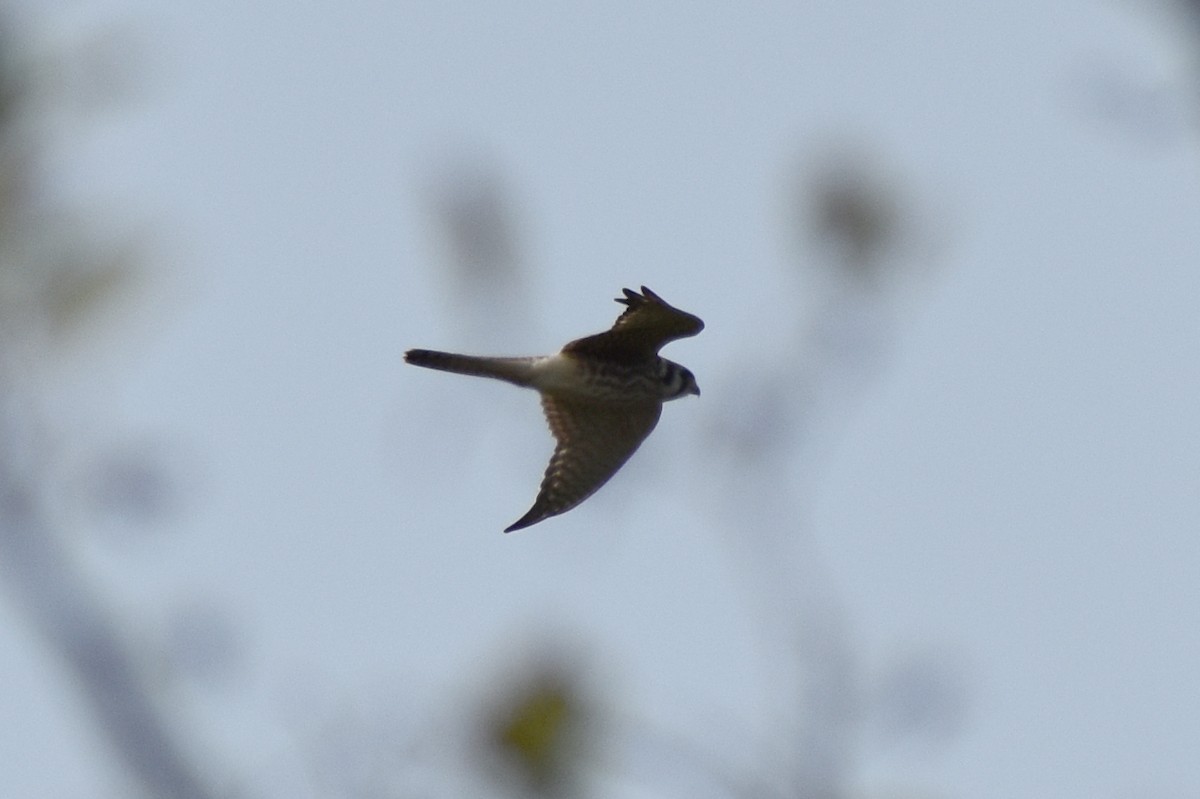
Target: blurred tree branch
[52,278]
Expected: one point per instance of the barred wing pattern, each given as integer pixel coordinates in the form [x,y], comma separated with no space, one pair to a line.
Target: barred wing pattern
[593,441]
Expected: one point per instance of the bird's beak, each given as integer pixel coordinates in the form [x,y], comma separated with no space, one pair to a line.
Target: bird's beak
[695,390]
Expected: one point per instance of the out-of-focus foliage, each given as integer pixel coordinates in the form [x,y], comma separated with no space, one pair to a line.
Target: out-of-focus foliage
[921,698]
[856,219]
[854,213]
[474,213]
[1153,99]
[130,483]
[538,730]
[474,225]
[56,275]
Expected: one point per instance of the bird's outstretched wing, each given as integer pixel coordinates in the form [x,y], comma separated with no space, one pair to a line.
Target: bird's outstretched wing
[641,330]
[594,441]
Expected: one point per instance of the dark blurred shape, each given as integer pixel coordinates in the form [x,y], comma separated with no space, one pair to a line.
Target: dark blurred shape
[14,181]
[1150,94]
[474,219]
[1129,98]
[853,211]
[475,222]
[135,725]
[538,731]
[43,581]
[1189,13]
[921,698]
[1188,16]
[84,285]
[136,484]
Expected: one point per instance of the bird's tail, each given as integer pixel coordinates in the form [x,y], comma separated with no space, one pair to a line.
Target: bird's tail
[511,370]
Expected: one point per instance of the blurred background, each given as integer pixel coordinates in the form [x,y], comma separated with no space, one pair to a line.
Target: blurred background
[931,530]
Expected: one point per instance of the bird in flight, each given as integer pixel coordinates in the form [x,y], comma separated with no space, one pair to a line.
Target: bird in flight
[602,395]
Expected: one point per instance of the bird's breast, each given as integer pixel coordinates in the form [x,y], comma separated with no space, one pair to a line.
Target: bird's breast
[556,373]
[596,378]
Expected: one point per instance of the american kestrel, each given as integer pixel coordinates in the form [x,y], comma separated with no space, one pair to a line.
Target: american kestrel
[602,395]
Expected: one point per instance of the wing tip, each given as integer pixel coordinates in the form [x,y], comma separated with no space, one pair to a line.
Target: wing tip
[531,518]
[636,301]
[633,299]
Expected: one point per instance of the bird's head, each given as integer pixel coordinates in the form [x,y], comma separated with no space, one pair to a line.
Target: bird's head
[678,381]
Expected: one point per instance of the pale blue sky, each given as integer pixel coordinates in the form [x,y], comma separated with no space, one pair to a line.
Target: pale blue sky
[1013,494]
